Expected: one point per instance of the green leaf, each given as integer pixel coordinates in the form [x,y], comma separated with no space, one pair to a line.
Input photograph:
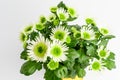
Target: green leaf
[108,37]
[33,35]
[73,42]
[83,57]
[71,73]
[109,64]
[62,5]
[71,19]
[73,54]
[39,66]
[81,73]
[111,56]
[91,50]
[103,42]
[24,55]
[28,68]
[49,75]
[61,72]
[69,64]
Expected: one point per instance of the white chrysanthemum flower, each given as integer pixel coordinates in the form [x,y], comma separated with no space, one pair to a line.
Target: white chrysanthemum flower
[103,53]
[87,34]
[96,65]
[57,51]
[62,14]
[59,33]
[104,31]
[38,49]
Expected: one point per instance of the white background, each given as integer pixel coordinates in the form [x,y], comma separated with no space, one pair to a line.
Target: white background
[15,14]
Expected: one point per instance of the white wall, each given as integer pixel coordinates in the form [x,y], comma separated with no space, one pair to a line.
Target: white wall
[15,14]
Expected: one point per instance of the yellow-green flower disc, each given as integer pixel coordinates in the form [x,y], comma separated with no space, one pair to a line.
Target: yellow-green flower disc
[96,66]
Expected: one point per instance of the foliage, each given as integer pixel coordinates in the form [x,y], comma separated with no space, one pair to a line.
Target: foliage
[64,50]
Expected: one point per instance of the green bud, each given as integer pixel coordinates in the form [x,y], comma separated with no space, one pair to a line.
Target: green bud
[23,37]
[52,17]
[68,39]
[77,34]
[104,31]
[43,19]
[72,12]
[90,21]
[56,22]
[53,9]
[73,29]
[25,45]
[40,26]
[28,29]
[53,65]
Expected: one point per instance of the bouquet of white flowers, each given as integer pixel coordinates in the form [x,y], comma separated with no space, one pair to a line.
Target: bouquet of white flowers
[64,50]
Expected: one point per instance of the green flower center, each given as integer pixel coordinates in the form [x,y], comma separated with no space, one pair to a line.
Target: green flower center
[53,65]
[56,51]
[86,35]
[102,53]
[62,16]
[96,66]
[59,35]
[40,49]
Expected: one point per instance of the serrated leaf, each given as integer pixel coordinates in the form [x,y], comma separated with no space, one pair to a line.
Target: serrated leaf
[111,56]
[24,55]
[71,73]
[73,42]
[39,66]
[28,68]
[103,42]
[83,57]
[109,64]
[49,75]
[81,73]
[33,35]
[91,50]
[61,72]
[69,64]
[73,54]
